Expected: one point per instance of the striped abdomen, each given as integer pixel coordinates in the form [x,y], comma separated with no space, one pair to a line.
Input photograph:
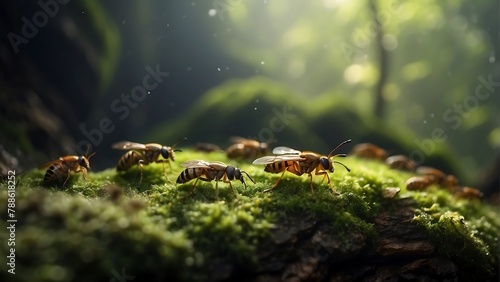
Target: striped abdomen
[190,174]
[128,160]
[278,166]
[57,172]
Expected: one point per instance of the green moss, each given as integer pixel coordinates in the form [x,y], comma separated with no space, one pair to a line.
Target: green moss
[109,222]
[464,230]
[60,237]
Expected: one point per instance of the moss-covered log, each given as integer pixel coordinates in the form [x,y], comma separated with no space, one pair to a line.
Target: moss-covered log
[108,228]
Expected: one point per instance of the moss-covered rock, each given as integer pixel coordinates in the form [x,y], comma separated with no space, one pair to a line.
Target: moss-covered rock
[98,229]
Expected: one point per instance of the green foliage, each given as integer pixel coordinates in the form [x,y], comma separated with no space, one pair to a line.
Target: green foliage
[109,223]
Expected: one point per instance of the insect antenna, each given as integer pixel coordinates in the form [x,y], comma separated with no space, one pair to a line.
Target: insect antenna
[339,156]
[87,152]
[177,143]
[342,165]
[91,155]
[338,146]
[249,177]
[88,149]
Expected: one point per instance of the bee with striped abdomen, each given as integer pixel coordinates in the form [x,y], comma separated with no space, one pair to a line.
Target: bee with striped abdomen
[60,169]
[246,148]
[298,163]
[144,154]
[208,171]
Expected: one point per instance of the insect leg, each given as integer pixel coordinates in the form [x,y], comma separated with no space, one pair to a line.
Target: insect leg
[232,188]
[295,169]
[163,167]
[330,183]
[225,179]
[192,191]
[311,183]
[84,173]
[217,189]
[276,183]
[64,184]
[324,176]
[139,164]
[169,165]
[325,173]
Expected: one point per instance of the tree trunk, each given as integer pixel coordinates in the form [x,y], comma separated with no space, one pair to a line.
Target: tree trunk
[304,249]
[383,61]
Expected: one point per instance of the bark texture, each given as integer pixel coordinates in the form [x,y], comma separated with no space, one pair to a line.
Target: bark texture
[304,249]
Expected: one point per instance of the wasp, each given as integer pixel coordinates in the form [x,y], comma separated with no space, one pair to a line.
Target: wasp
[369,151]
[246,148]
[208,171]
[144,154]
[61,168]
[298,163]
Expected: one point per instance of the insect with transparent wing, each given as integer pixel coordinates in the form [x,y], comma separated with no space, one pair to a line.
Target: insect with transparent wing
[300,162]
[209,171]
[144,154]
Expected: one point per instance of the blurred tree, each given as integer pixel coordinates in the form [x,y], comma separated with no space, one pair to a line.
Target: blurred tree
[441,51]
[383,61]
